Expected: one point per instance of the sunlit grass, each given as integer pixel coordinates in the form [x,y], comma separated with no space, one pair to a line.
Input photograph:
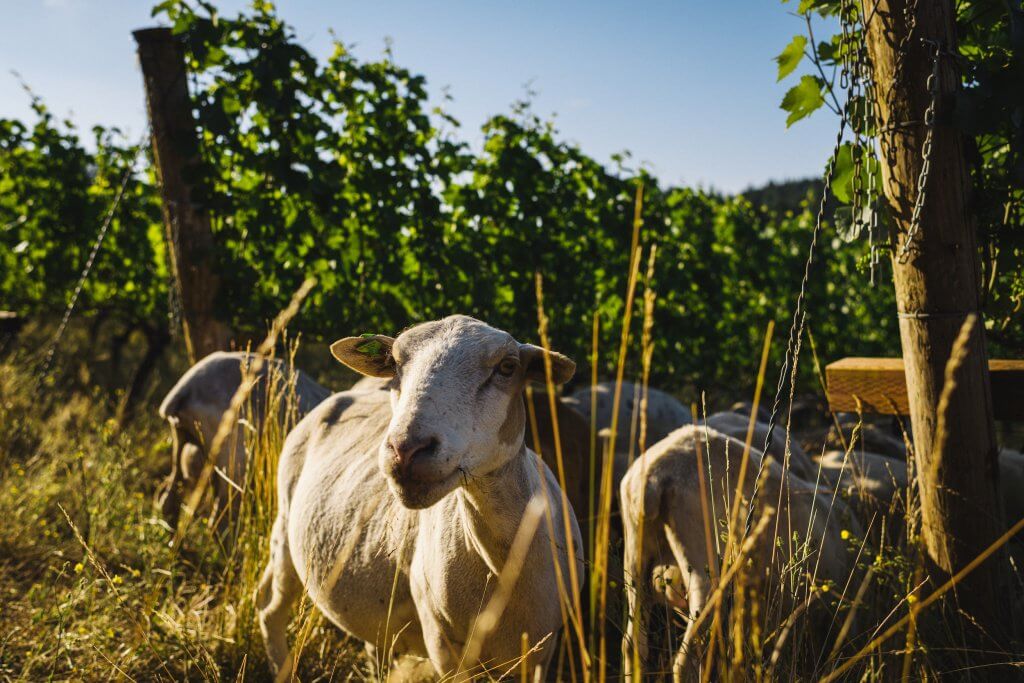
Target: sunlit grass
[94,585]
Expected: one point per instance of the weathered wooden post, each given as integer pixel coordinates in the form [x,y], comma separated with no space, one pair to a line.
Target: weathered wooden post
[937,287]
[175,148]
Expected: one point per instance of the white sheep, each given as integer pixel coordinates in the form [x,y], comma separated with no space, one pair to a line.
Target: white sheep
[873,485]
[664,485]
[397,510]
[1011,484]
[736,425]
[664,414]
[197,403]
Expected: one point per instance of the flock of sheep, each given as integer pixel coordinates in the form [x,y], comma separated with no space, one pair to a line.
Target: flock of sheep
[415,513]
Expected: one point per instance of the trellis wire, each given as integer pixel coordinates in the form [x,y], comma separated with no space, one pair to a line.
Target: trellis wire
[848,78]
[796,328]
[174,305]
[104,227]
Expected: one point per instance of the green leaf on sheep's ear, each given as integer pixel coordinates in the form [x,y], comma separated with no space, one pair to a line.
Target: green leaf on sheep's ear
[372,347]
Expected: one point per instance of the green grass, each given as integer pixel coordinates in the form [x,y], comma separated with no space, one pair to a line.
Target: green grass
[91,584]
[94,586]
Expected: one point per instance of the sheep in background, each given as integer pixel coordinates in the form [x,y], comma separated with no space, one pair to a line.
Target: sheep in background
[873,485]
[664,414]
[197,403]
[736,425]
[664,487]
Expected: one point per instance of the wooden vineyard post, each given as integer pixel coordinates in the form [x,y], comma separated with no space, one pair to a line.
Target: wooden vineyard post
[937,287]
[175,149]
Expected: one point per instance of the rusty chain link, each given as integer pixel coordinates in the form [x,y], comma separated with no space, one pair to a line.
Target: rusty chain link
[932,85]
[910,20]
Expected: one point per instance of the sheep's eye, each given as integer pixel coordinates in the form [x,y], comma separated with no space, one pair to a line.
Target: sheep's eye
[507,367]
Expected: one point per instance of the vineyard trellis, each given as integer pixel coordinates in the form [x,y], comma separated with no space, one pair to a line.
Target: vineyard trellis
[934,261]
[47,363]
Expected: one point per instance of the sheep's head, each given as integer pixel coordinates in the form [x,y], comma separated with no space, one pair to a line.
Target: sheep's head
[456,397]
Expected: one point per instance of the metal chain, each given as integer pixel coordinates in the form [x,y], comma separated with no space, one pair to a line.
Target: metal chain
[104,227]
[926,154]
[910,20]
[174,305]
[844,28]
[796,328]
[871,125]
[858,115]
[870,92]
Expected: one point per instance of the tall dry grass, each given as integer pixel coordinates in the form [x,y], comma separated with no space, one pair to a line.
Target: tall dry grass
[93,585]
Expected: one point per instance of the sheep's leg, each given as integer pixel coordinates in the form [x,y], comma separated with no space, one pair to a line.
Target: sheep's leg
[170,500]
[371,657]
[635,582]
[699,591]
[690,553]
[279,588]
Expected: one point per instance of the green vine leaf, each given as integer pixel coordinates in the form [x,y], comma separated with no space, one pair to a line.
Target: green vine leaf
[791,56]
[803,99]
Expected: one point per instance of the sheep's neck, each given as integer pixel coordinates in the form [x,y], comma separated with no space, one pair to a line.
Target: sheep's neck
[492,507]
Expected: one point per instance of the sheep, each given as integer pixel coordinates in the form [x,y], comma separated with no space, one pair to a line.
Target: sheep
[872,436]
[397,510]
[574,438]
[194,408]
[736,425]
[371,384]
[745,407]
[664,414]
[1011,484]
[873,485]
[664,485]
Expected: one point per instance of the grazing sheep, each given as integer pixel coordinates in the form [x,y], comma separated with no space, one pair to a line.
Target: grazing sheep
[735,425]
[872,436]
[1011,484]
[574,437]
[194,408]
[664,486]
[744,407]
[664,414]
[371,384]
[397,510]
[873,485]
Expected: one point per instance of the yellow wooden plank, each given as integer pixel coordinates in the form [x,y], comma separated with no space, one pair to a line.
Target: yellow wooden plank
[881,386]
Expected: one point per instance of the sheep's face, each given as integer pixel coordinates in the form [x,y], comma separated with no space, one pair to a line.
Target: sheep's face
[457,401]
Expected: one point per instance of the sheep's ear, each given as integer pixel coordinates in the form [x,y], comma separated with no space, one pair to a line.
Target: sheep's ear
[532,358]
[369,354]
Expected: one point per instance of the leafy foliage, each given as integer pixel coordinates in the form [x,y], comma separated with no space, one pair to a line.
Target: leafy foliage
[54,195]
[989,111]
[341,170]
[789,59]
[803,99]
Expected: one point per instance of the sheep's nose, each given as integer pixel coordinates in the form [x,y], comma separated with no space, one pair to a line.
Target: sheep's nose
[405,449]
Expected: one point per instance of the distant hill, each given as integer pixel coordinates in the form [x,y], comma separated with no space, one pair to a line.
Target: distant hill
[785,195]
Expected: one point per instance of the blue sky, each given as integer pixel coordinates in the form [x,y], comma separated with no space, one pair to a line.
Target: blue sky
[687,86]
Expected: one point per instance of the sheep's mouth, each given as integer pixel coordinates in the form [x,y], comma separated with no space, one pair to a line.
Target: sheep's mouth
[421,492]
